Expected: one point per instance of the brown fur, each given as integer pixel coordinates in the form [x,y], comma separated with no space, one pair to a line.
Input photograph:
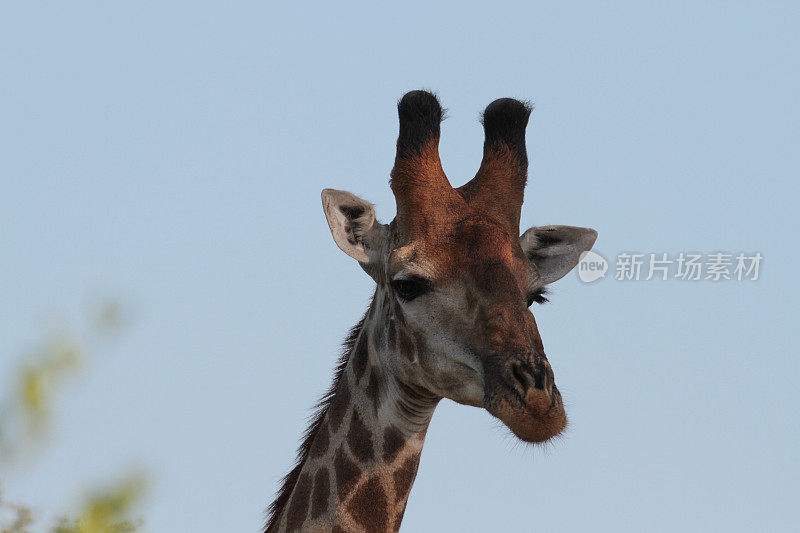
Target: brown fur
[339,404]
[369,505]
[298,508]
[374,389]
[425,200]
[322,488]
[404,476]
[320,444]
[392,442]
[359,439]
[346,473]
[360,357]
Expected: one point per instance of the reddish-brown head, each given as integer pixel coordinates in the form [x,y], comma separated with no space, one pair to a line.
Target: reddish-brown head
[456,276]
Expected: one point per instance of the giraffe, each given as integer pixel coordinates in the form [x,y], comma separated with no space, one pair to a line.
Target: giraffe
[449,318]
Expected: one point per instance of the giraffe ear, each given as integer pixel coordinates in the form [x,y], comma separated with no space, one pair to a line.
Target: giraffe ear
[353,225]
[555,250]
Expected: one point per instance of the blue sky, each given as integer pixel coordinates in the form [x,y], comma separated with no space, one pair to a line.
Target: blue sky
[172,156]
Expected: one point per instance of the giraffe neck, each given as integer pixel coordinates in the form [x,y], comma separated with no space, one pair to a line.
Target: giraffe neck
[365,450]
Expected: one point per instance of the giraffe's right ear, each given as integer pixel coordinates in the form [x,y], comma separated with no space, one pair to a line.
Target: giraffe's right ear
[353,225]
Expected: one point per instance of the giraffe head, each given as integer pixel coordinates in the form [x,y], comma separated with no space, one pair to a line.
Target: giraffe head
[455,278]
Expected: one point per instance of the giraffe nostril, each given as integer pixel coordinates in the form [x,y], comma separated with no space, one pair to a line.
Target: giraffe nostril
[521,377]
[530,376]
[539,376]
[539,380]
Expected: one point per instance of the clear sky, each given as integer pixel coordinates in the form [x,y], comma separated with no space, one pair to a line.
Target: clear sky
[172,156]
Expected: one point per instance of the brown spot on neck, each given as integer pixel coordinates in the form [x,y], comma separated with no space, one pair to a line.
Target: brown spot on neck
[361,356]
[359,439]
[339,405]
[404,476]
[346,472]
[321,442]
[374,389]
[369,504]
[393,440]
[298,508]
[322,489]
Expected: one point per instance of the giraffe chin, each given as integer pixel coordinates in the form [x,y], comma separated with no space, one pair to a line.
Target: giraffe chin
[538,418]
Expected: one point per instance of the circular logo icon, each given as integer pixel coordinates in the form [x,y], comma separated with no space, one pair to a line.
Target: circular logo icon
[592,267]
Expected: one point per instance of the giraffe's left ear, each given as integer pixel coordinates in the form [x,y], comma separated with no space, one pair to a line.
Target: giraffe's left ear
[353,225]
[555,250]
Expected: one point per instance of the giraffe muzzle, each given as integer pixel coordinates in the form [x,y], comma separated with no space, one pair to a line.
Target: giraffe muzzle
[522,393]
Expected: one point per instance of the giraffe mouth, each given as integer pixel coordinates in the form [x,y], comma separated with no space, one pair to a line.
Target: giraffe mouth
[525,398]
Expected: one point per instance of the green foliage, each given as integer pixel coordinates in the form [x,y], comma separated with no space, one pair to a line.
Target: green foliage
[14,518]
[25,417]
[107,511]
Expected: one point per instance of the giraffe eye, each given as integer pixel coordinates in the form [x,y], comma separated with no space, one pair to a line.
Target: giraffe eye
[537,296]
[409,288]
